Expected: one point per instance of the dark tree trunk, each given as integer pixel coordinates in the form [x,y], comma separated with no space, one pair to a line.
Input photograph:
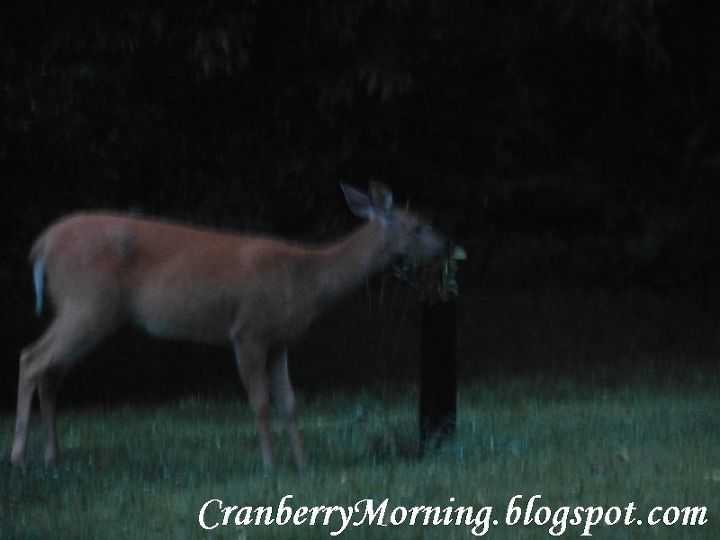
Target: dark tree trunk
[438,378]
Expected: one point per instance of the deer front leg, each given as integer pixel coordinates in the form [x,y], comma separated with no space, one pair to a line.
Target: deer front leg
[251,363]
[282,393]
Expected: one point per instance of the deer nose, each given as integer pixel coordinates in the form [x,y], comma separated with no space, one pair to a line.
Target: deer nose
[444,244]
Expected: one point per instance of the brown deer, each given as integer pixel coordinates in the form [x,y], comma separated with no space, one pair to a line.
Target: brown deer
[178,282]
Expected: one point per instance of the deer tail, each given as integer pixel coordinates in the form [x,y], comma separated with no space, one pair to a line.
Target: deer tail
[38,258]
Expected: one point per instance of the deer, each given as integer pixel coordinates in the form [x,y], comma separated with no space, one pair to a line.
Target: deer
[256,293]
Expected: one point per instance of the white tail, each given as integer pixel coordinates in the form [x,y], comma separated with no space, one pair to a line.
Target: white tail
[179,282]
[38,279]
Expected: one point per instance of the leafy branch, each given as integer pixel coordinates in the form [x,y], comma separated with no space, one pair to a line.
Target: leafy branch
[435,281]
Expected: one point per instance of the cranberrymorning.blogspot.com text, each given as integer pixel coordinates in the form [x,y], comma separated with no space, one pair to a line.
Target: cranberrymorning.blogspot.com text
[519,511]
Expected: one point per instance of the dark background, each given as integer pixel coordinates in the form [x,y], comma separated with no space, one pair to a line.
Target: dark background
[571,147]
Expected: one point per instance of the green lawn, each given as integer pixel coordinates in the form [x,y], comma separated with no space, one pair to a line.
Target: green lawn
[145,472]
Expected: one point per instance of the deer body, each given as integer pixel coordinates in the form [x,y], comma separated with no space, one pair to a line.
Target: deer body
[179,282]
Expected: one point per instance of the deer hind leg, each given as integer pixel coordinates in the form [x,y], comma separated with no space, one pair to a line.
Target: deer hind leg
[27,384]
[251,362]
[42,367]
[47,390]
[282,393]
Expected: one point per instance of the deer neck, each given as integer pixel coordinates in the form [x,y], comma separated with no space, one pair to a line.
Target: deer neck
[347,263]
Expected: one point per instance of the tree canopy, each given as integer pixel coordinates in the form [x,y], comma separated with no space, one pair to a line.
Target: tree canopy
[250,112]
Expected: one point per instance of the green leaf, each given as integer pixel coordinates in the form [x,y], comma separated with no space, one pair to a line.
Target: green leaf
[458,254]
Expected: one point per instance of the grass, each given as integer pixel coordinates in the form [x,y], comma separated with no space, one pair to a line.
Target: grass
[144,472]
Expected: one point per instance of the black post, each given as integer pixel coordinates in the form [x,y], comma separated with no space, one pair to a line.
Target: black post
[438,377]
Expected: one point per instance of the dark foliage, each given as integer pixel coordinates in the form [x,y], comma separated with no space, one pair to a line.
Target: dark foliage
[572,142]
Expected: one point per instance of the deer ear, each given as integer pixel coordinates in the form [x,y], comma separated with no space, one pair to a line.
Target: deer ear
[380,196]
[358,201]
